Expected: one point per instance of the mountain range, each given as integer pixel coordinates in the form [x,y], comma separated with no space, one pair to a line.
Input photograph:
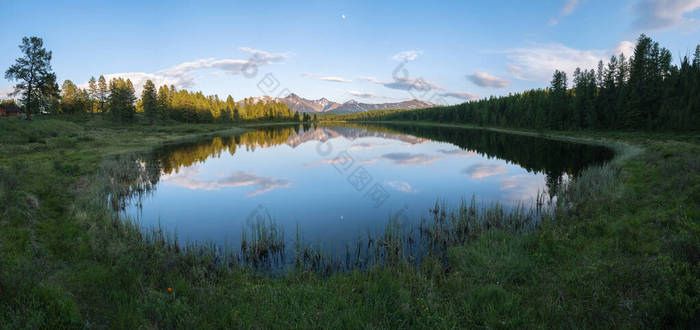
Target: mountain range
[324,105]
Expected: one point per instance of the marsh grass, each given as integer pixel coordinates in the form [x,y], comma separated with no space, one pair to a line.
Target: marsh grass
[594,184]
[262,242]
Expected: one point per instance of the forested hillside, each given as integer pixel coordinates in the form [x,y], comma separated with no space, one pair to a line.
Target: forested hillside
[644,92]
[118,98]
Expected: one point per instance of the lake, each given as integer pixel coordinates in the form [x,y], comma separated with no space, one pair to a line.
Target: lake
[334,183]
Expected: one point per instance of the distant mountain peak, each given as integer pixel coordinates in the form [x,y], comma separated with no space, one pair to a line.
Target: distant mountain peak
[323,105]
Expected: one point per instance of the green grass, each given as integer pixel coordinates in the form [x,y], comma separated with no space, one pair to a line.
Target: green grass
[624,251]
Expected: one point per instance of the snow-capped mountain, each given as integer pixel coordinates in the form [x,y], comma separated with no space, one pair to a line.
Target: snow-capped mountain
[301,104]
[324,105]
[353,106]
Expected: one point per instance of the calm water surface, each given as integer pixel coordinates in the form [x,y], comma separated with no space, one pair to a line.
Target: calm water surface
[336,182]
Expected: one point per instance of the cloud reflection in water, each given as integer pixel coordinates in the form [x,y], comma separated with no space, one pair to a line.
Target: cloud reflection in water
[187,178]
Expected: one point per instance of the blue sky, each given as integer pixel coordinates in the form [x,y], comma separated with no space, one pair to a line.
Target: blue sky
[373,52]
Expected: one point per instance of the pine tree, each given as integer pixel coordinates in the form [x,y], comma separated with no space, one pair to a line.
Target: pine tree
[163,100]
[585,94]
[608,95]
[34,73]
[70,97]
[149,100]
[559,100]
[121,99]
[102,92]
[639,83]
[84,101]
[92,90]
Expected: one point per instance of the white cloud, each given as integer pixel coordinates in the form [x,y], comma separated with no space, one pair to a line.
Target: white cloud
[231,66]
[140,78]
[408,84]
[485,79]
[568,8]
[482,170]
[407,55]
[514,69]
[625,47]
[370,95]
[343,16]
[370,79]
[262,57]
[461,95]
[662,15]
[401,186]
[336,79]
[181,75]
[537,62]
[365,95]
[325,78]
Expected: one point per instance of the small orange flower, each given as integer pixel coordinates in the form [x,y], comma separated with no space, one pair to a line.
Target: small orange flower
[170,289]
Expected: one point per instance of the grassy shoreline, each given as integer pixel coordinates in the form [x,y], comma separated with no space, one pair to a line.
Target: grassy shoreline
[626,256]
